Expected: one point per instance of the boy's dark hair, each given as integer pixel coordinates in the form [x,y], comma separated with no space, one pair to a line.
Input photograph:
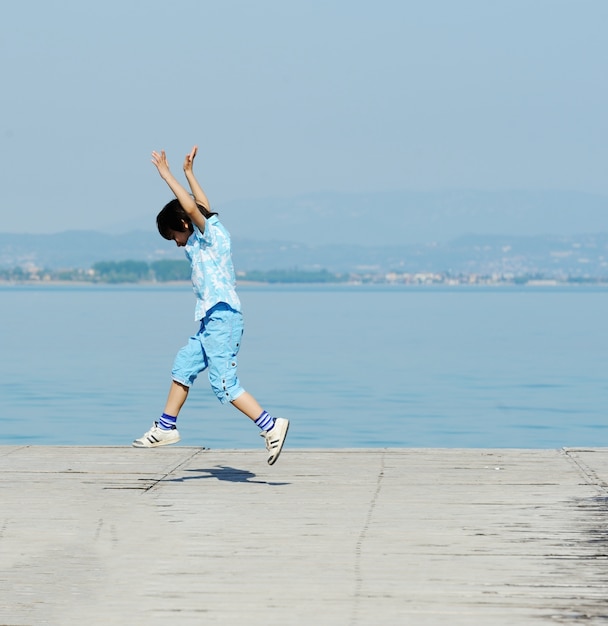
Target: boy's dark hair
[173,216]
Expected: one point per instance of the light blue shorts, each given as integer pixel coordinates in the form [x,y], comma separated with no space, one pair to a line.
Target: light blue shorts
[215,346]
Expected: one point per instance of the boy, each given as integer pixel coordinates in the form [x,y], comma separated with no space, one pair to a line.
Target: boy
[189,222]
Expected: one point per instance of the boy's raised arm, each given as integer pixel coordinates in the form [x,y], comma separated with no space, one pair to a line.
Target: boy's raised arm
[197,190]
[185,199]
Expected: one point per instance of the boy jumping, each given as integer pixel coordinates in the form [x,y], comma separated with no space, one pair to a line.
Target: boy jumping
[189,222]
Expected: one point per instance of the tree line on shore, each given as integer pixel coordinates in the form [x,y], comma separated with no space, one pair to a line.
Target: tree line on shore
[166,270]
[163,271]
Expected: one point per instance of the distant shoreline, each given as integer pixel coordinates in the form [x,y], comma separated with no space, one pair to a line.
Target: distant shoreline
[549,283]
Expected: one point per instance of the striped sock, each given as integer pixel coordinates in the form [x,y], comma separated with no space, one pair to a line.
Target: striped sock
[167,422]
[265,421]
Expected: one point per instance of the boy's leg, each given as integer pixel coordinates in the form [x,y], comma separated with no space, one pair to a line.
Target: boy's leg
[221,340]
[176,398]
[274,429]
[165,431]
[189,362]
[248,405]
[175,401]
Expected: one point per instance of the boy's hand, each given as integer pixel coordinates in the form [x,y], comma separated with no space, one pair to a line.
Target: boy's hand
[195,188]
[162,165]
[189,160]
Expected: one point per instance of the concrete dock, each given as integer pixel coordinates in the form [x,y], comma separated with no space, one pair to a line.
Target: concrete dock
[178,535]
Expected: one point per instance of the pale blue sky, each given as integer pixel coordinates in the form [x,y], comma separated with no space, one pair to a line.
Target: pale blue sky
[286,98]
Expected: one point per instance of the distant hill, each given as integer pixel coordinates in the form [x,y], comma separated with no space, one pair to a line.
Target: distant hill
[456,231]
[581,255]
[406,217]
[578,255]
[82,248]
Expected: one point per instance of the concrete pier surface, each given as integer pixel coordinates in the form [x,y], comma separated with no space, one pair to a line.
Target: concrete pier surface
[178,535]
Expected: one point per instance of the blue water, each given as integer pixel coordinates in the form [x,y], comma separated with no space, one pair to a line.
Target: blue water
[350,366]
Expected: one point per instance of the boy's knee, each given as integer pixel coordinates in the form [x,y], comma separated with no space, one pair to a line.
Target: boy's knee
[186,384]
[189,362]
[226,388]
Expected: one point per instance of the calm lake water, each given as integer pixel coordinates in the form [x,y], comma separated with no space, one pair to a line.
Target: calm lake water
[350,366]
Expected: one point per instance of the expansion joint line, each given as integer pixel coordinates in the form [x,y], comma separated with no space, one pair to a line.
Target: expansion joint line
[361,540]
[164,476]
[588,473]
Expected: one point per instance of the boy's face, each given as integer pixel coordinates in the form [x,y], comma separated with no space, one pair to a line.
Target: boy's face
[180,237]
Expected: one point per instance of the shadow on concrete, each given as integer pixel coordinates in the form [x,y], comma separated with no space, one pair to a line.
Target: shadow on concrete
[223,472]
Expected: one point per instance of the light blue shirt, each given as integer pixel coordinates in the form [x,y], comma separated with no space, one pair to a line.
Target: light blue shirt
[213,278]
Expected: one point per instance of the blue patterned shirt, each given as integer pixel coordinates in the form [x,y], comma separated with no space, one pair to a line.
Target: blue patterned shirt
[213,278]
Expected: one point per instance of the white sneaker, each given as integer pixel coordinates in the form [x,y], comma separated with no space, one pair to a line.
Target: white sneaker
[157,437]
[275,438]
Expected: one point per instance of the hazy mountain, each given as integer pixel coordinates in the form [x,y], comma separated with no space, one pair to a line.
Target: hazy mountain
[435,231]
[406,217]
[82,248]
[580,255]
[418,218]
